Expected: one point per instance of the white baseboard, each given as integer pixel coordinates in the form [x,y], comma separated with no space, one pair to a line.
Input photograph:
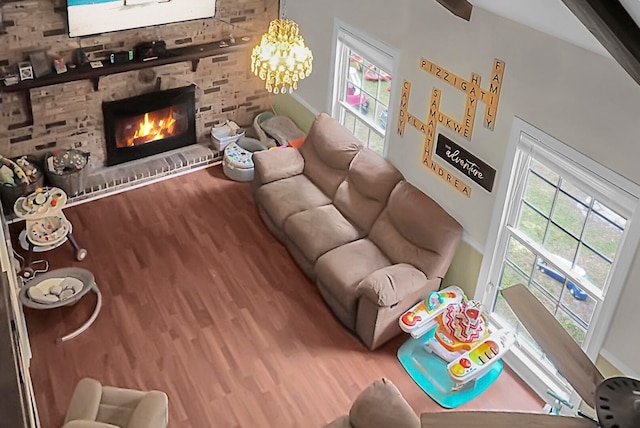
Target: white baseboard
[472,242]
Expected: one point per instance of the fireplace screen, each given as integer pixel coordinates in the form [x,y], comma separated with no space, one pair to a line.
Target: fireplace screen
[149,124]
[155,125]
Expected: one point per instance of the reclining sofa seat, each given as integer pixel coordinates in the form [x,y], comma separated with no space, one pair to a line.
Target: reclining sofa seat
[374,243]
[370,282]
[358,201]
[288,180]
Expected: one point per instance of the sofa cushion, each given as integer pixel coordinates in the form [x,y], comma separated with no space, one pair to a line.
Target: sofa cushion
[272,165]
[414,229]
[328,151]
[318,230]
[365,190]
[285,197]
[341,270]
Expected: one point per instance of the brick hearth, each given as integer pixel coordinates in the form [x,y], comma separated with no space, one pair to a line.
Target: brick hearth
[107,180]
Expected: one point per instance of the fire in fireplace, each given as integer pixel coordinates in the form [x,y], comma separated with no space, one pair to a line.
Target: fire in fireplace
[149,127]
[149,124]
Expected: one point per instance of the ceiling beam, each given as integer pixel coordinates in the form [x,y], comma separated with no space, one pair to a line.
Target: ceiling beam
[614,28]
[460,8]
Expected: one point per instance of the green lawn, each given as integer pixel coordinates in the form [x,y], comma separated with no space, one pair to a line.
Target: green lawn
[557,217]
[377,94]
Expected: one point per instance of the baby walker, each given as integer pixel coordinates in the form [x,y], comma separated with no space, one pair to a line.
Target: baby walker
[461,336]
[46,226]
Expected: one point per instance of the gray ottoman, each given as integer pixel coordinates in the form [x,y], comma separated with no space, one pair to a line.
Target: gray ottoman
[237,162]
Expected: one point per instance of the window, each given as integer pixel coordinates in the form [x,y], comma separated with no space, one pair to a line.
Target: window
[362,87]
[564,232]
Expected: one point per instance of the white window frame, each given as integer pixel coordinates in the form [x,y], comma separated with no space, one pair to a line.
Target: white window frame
[372,49]
[524,134]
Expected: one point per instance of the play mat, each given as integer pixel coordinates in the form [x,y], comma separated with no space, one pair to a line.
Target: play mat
[430,373]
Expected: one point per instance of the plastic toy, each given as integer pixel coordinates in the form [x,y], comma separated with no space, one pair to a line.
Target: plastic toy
[461,336]
[547,269]
[375,74]
[355,97]
[46,226]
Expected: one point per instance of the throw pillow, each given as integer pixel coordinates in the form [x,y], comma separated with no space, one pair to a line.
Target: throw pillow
[297,142]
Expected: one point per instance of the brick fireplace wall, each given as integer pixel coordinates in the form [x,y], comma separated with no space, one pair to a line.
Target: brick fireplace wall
[69,115]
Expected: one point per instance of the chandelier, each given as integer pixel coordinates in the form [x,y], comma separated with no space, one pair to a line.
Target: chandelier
[281,58]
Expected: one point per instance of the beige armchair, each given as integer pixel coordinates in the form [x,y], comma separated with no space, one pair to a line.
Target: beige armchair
[96,406]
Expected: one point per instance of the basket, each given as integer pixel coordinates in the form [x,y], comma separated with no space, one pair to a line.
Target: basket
[72,179]
[224,134]
[9,194]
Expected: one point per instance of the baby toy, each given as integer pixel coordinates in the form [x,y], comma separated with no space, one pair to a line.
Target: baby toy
[461,336]
[46,226]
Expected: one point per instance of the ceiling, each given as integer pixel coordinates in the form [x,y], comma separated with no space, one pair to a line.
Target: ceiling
[633,8]
[608,27]
[549,16]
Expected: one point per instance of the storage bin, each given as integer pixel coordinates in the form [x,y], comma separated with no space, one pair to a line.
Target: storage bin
[225,134]
[67,169]
[9,194]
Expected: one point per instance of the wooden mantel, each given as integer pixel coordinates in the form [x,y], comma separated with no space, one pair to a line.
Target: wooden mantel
[191,53]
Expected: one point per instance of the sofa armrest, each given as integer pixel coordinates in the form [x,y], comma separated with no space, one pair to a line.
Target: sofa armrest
[151,412]
[382,405]
[87,424]
[85,401]
[273,165]
[391,284]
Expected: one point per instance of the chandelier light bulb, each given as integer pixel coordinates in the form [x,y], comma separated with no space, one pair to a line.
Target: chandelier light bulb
[281,58]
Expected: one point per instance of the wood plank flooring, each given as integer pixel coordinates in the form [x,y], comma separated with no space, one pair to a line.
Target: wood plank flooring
[202,302]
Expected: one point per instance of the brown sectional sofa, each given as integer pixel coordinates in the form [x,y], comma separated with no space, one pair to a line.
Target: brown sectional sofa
[374,243]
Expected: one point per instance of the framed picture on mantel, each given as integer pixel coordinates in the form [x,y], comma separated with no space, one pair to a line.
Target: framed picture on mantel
[87,17]
[41,63]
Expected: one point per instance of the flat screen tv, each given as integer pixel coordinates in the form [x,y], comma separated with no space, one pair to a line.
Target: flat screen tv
[88,17]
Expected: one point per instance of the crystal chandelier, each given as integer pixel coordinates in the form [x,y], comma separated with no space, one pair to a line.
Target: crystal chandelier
[281,58]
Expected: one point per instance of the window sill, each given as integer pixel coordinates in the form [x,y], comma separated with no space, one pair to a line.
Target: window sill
[539,380]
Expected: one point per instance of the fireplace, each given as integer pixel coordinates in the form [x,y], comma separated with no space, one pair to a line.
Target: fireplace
[149,124]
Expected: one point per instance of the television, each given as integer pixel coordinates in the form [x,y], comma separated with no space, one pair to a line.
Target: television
[88,17]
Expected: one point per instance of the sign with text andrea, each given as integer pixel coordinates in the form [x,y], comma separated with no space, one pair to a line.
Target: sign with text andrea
[465,162]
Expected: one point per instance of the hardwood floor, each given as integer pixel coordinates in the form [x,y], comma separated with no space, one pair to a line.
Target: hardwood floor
[202,302]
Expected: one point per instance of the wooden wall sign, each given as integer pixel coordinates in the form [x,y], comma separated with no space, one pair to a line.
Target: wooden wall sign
[464,127]
[465,162]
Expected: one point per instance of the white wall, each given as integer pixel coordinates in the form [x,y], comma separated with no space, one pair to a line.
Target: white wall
[579,97]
